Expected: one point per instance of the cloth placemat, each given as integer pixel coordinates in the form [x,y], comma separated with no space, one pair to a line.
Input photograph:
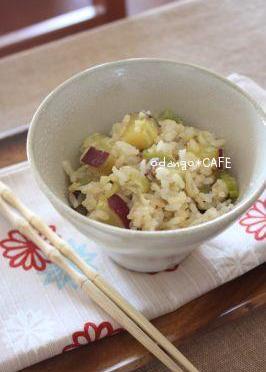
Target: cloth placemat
[42,312]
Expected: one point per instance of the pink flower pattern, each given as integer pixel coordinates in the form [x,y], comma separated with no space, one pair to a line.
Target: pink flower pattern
[255,220]
[91,332]
[22,252]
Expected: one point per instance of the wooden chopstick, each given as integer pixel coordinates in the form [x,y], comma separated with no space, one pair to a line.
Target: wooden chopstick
[94,277]
[87,286]
[68,252]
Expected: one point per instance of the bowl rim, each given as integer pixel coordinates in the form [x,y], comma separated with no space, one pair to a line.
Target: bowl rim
[229,216]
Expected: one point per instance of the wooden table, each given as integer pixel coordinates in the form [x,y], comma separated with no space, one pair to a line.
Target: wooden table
[220,35]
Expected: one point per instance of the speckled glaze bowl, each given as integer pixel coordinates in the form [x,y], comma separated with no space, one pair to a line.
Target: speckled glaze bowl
[96,98]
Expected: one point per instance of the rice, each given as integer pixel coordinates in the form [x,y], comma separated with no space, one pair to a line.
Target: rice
[135,163]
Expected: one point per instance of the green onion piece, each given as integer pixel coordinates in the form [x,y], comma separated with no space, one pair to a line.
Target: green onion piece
[170,115]
[231,185]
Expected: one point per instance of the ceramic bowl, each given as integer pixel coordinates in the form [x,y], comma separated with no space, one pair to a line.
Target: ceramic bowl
[96,98]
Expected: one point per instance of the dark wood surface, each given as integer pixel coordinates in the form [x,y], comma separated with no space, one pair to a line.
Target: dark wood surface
[39,22]
[13,150]
[29,23]
[17,14]
[121,352]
